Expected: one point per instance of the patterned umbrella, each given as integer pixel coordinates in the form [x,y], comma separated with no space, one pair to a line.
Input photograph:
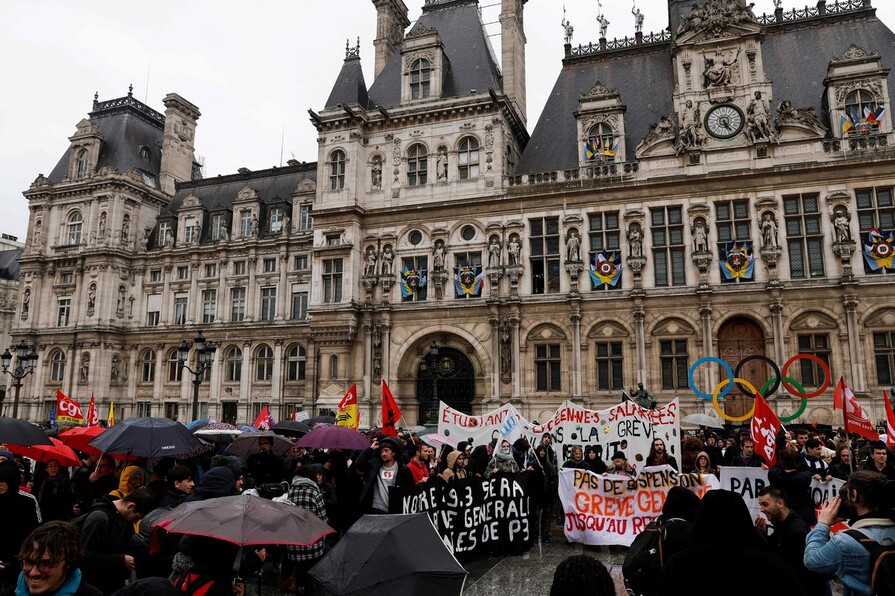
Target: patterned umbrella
[218,432]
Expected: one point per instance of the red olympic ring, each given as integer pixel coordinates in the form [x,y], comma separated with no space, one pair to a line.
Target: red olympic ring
[819,362]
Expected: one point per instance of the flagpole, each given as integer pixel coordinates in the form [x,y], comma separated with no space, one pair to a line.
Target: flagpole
[851,459]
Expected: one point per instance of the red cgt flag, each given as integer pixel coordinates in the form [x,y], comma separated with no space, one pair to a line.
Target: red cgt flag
[764,429]
[390,411]
[856,419]
[263,421]
[92,414]
[68,411]
[890,422]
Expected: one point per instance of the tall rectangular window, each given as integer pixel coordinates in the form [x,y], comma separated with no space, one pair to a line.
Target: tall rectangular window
[604,235]
[733,225]
[299,305]
[245,223]
[544,254]
[183,273]
[669,252]
[548,370]
[804,239]
[64,312]
[876,210]
[884,354]
[300,263]
[276,220]
[153,309]
[420,266]
[163,228]
[269,265]
[144,409]
[268,303]
[332,280]
[819,345]
[211,269]
[217,224]
[155,276]
[609,365]
[181,306]
[209,305]
[171,410]
[673,357]
[237,304]
[305,221]
[189,233]
[239,267]
[467,259]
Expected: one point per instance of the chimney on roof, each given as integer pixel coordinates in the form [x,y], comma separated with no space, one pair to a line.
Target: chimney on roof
[512,50]
[178,142]
[391,21]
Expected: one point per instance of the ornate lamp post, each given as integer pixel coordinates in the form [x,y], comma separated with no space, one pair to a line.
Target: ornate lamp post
[24,366]
[204,358]
[429,363]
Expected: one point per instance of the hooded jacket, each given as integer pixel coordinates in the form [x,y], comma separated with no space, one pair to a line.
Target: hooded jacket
[106,538]
[19,514]
[451,473]
[370,463]
[124,480]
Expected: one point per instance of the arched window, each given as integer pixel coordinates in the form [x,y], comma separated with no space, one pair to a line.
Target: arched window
[601,145]
[468,158]
[264,364]
[296,360]
[337,170]
[233,363]
[333,367]
[74,225]
[148,367]
[57,366]
[417,165]
[82,165]
[860,107]
[175,372]
[420,76]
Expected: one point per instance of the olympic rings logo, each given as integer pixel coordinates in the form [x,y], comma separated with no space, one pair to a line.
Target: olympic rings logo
[769,388]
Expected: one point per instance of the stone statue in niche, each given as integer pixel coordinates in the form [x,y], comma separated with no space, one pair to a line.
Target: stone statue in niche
[254,229]
[115,373]
[26,302]
[494,252]
[768,231]
[287,225]
[370,262]
[438,256]
[506,356]
[91,297]
[225,233]
[514,250]
[144,240]
[841,226]
[388,258]
[376,173]
[573,248]
[691,136]
[169,239]
[119,308]
[758,121]
[700,236]
[719,69]
[84,370]
[635,241]
[101,232]
[441,165]
[125,228]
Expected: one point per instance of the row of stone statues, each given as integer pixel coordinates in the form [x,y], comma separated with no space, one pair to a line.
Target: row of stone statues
[117,372]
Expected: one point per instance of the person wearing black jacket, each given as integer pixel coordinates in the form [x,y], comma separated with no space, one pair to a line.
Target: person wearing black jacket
[20,515]
[792,476]
[382,468]
[841,467]
[52,488]
[479,458]
[659,456]
[543,467]
[106,533]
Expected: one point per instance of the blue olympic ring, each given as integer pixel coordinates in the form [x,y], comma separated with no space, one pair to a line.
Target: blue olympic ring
[696,364]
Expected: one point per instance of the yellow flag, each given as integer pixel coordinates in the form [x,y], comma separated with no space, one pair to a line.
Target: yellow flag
[347,416]
[112,414]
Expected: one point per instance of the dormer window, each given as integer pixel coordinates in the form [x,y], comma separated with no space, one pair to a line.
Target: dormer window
[337,170]
[601,144]
[217,222]
[75,223]
[417,165]
[420,79]
[164,228]
[245,223]
[468,159]
[190,234]
[860,106]
[81,171]
[276,220]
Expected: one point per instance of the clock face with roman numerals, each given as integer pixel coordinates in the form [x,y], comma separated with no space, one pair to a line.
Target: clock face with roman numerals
[724,122]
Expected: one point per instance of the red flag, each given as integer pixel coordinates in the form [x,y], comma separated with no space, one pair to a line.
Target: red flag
[890,422]
[390,411]
[263,421]
[856,418]
[764,429]
[294,414]
[68,410]
[92,414]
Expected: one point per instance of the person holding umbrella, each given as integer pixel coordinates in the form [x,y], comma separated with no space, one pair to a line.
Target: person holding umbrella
[20,516]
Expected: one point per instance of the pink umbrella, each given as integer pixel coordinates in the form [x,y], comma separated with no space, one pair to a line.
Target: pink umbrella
[333,437]
[436,440]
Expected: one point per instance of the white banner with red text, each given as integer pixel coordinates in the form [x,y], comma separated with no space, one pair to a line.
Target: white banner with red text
[748,482]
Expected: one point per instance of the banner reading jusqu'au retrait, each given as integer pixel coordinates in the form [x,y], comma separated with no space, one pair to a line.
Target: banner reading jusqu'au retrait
[609,509]
[624,427]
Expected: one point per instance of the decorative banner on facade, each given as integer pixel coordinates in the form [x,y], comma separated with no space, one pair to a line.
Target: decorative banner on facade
[411,281]
[599,149]
[68,411]
[475,517]
[468,281]
[612,509]
[861,123]
[624,427]
[878,249]
[607,269]
[738,262]
[747,482]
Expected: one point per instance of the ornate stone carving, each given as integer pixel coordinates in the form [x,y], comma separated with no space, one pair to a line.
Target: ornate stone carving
[874,86]
[768,226]
[599,91]
[716,17]
[691,134]
[855,54]
[787,114]
[758,121]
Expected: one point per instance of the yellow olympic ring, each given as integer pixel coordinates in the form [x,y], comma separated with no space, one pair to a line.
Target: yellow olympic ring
[721,386]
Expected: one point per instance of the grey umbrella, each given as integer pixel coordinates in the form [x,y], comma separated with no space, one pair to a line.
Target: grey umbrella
[247,443]
[703,420]
[148,437]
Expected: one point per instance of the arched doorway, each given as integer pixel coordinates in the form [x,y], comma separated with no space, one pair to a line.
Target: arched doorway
[444,374]
[740,338]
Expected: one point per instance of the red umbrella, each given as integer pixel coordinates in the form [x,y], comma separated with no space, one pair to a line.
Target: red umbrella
[44,453]
[79,438]
[333,437]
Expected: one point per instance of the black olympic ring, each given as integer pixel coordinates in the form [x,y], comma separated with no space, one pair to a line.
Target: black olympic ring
[777,376]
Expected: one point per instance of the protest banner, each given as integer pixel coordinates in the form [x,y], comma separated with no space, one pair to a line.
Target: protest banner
[748,482]
[610,509]
[475,517]
[624,427]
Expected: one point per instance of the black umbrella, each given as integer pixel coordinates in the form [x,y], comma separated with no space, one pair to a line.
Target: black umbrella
[148,437]
[320,420]
[389,554]
[291,428]
[19,432]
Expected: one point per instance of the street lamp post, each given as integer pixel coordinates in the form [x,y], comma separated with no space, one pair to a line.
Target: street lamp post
[204,358]
[429,363]
[24,366]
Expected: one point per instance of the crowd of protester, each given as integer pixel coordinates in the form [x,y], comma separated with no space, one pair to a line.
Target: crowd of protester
[95,528]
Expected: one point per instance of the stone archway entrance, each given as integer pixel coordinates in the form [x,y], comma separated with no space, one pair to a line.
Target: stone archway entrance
[740,338]
[444,374]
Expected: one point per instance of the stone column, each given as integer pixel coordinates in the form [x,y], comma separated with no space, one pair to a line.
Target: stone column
[283,293]
[161,372]
[166,313]
[517,369]
[368,359]
[850,302]
[776,308]
[495,357]
[214,385]
[276,383]
[195,313]
[640,342]
[386,346]
[575,319]
[223,300]
[245,380]
[252,290]
[709,373]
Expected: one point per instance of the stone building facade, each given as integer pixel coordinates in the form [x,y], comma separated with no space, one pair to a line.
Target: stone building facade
[708,192]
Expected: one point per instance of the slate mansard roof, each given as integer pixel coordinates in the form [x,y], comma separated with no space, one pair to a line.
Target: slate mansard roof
[470,61]
[796,56]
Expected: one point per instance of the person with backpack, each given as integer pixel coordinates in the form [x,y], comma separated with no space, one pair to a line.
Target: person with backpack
[851,555]
[665,536]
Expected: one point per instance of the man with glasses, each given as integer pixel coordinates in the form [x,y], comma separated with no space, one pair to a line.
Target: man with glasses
[49,560]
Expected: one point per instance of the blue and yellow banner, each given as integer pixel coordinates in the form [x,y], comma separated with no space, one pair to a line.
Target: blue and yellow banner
[468,281]
[596,148]
[855,122]
[878,249]
[607,269]
[411,281]
[738,262]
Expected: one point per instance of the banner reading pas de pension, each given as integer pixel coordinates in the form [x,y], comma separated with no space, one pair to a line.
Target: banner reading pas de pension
[623,427]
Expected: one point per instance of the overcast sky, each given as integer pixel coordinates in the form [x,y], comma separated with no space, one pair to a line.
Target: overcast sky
[252,68]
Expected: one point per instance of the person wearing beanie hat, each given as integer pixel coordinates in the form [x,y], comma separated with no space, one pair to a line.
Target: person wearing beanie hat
[382,468]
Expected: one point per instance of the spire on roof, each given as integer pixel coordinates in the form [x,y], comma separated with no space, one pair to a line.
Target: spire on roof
[350,88]
[352,53]
[130,90]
